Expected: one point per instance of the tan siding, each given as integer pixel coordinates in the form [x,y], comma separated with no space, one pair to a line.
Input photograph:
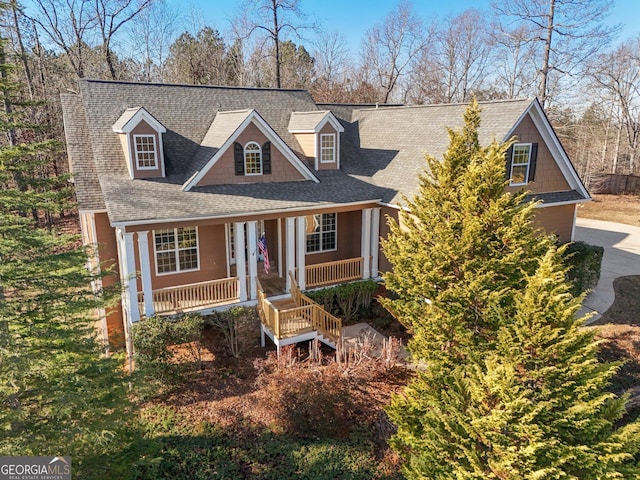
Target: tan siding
[223,172]
[108,251]
[271,234]
[557,220]
[307,143]
[143,128]
[213,260]
[328,128]
[348,240]
[548,176]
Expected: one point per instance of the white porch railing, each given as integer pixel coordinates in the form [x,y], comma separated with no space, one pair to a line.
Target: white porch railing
[193,296]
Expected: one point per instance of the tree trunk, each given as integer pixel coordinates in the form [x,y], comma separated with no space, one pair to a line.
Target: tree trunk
[276,41]
[23,54]
[547,53]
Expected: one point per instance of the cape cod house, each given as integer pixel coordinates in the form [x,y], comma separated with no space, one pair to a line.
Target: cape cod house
[184,189]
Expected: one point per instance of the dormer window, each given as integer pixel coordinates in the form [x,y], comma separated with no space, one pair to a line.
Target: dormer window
[252,159]
[141,140]
[146,154]
[327,148]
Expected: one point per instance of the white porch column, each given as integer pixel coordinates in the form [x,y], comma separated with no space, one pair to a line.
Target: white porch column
[365,243]
[301,246]
[375,241]
[279,250]
[130,282]
[291,250]
[145,273]
[241,265]
[252,250]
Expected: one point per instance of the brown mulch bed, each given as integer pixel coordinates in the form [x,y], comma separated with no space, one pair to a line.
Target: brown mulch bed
[290,395]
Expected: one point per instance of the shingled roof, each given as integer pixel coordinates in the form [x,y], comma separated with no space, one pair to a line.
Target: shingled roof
[382,149]
[392,142]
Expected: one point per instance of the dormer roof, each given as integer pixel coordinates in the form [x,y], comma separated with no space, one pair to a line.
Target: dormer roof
[132,117]
[313,121]
[224,130]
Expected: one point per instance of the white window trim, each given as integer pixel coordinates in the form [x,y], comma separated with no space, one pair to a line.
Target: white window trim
[335,249]
[528,164]
[333,135]
[155,151]
[244,154]
[175,251]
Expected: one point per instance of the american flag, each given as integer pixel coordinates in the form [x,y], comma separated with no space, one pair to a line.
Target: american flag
[262,246]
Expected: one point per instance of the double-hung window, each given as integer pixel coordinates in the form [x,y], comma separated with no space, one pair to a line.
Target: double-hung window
[321,232]
[252,159]
[146,154]
[176,249]
[520,162]
[327,148]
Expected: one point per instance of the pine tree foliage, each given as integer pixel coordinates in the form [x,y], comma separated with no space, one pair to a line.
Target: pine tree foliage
[58,393]
[461,241]
[513,388]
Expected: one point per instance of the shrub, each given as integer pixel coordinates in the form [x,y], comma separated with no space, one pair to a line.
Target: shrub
[348,300]
[152,339]
[238,325]
[584,262]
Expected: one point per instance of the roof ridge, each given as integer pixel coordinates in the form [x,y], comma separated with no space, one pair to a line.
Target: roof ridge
[435,105]
[186,85]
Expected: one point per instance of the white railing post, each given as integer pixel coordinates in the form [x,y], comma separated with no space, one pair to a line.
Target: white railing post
[241,265]
[375,241]
[365,243]
[252,250]
[291,250]
[302,251]
[145,272]
[130,281]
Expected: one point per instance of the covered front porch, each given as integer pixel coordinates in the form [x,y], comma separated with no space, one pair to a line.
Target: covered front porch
[235,248]
[216,293]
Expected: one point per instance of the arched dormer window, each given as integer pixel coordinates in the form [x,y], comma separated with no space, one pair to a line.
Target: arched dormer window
[252,159]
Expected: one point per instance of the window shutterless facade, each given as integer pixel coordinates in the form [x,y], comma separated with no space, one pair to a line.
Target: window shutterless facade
[520,161]
[252,159]
[176,250]
[321,232]
[146,152]
[327,148]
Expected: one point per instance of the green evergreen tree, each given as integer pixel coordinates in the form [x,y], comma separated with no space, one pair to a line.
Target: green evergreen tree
[513,388]
[461,241]
[59,395]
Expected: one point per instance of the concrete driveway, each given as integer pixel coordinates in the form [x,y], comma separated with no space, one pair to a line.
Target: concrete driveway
[621,258]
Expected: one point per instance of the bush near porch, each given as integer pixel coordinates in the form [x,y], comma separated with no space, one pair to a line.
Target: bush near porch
[347,301]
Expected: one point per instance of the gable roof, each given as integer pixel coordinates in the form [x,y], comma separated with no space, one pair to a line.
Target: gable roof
[389,144]
[224,130]
[313,122]
[132,116]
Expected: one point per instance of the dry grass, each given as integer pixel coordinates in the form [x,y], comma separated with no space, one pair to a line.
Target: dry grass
[613,208]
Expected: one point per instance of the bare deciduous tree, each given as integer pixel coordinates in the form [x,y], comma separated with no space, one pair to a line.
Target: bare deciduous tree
[392,48]
[566,33]
[273,18]
[463,52]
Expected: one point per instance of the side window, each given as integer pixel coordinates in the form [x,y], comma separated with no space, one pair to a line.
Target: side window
[520,164]
[146,154]
[252,159]
[321,232]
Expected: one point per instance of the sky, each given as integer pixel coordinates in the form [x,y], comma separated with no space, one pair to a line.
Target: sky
[353,17]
